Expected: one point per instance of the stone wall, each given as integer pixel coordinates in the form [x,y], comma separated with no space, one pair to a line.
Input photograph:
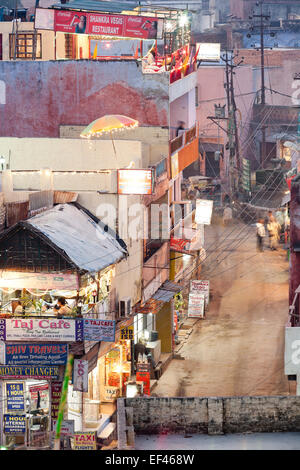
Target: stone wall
[215,415]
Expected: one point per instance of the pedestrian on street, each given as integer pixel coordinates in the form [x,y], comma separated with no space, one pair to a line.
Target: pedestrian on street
[273,228]
[260,234]
[227,215]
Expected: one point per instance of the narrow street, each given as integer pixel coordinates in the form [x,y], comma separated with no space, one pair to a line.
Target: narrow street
[238,349]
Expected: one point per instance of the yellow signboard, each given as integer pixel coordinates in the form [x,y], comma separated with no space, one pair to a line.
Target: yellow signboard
[85,441]
[126,333]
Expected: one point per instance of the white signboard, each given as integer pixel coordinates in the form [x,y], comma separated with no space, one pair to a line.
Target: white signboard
[209,51]
[292,351]
[200,287]
[196,305]
[204,209]
[44,18]
[67,427]
[40,329]
[80,378]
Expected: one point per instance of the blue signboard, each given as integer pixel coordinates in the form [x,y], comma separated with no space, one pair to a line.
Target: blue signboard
[41,354]
[15,396]
[14,424]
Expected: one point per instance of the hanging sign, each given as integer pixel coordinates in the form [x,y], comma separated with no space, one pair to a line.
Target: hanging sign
[35,354]
[14,424]
[85,441]
[80,375]
[144,376]
[196,305]
[15,396]
[129,26]
[39,396]
[200,287]
[127,333]
[131,181]
[16,329]
[99,330]
[28,372]
[203,213]
[56,388]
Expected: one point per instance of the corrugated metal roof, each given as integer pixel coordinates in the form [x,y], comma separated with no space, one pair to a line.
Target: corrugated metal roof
[104,7]
[85,242]
[167,291]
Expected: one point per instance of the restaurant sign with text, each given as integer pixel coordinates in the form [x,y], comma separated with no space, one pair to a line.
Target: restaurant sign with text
[41,329]
[129,26]
[99,330]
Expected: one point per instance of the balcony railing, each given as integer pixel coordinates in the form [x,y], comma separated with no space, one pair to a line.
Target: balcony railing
[183,139]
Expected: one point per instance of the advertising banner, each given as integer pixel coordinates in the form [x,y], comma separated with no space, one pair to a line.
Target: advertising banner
[145,378]
[56,388]
[135,181]
[22,280]
[67,427]
[36,354]
[210,52]
[99,330]
[129,26]
[29,372]
[14,424]
[127,333]
[80,375]
[200,287]
[196,305]
[15,396]
[38,329]
[39,396]
[85,441]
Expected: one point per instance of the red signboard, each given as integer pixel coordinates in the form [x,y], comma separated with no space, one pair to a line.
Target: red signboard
[130,26]
[145,378]
[56,388]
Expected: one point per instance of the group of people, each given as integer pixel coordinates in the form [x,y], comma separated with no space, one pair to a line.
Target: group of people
[60,309]
[273,228]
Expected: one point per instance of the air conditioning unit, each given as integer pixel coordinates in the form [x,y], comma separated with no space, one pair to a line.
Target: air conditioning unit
[125,307]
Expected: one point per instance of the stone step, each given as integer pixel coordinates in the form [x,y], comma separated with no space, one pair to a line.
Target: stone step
[107,431]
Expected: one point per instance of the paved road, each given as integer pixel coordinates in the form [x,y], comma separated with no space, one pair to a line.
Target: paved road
[263,441]
[238,349]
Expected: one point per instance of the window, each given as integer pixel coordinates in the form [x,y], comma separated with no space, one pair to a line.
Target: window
[25,46]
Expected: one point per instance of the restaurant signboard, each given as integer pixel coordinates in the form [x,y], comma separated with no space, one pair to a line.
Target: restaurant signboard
[131,181]
[196,305]
[200,287]
[99,330]
[102,24]
[40,354]
[41,329]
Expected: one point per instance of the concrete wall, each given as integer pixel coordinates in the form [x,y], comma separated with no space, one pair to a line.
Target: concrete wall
[215,415]
[47,38]
[42,96]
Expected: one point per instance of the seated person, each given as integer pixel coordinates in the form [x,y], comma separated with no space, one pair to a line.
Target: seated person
[62,307]
[18,309]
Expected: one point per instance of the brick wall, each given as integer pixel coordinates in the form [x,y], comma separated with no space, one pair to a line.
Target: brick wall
[215,415]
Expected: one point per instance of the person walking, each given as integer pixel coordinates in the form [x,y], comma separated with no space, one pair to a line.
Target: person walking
[227,216]
[260,234]
[273,228]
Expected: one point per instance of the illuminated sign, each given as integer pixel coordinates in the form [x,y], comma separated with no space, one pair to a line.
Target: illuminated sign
[204,209]
[209,51]
[131,181]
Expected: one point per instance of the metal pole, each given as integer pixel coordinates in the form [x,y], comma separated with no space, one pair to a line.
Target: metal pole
[1,412]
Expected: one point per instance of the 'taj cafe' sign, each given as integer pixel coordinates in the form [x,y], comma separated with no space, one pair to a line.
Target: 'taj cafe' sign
[41,329]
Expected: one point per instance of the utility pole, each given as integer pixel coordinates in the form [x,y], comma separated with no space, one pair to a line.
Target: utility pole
[262,18]
[234,148]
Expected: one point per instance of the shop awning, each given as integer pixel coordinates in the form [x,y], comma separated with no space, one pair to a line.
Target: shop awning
[167,291]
